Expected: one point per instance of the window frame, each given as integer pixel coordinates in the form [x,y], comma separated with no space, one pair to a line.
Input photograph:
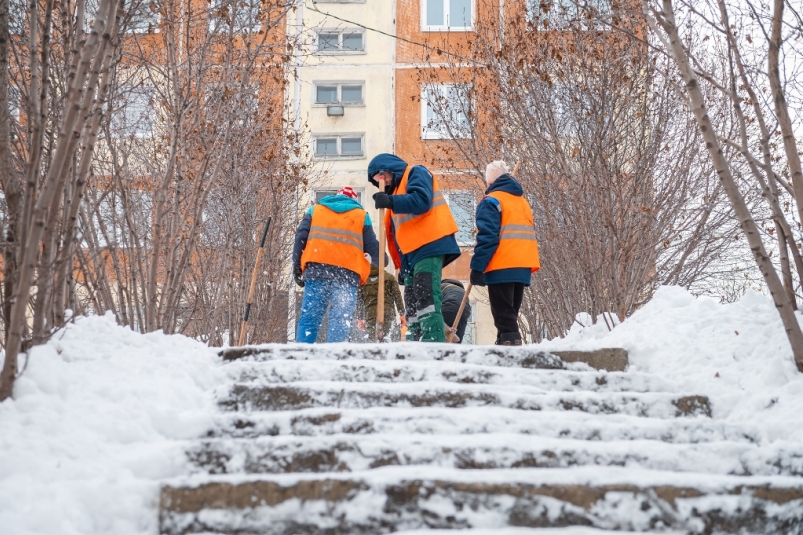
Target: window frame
[333,191]
[91,10]
[533,12]
[340,32]
[222,27]
[471,324]
[426,133]
[448,194]
[124,131]
[446,27]
[339,136]
[339,84]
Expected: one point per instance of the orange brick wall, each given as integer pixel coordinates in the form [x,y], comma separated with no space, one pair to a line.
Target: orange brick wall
[408,26]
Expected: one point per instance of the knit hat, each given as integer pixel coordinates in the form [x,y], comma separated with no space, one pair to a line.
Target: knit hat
[494,171]
[348,192]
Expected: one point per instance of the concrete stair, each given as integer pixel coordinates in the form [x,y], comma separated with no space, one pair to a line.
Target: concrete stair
[373,439]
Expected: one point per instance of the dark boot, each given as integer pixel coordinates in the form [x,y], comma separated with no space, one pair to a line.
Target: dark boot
[509,339]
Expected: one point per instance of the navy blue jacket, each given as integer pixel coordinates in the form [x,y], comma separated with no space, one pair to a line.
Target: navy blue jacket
[417,200]
[316,271]
[489,224]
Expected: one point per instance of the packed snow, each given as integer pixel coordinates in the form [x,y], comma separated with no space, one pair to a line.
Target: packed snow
[103,415]
[97,419]
[736,354]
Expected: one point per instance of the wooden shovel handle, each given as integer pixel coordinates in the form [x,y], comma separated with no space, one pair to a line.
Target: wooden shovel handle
[380,296]
[453,331]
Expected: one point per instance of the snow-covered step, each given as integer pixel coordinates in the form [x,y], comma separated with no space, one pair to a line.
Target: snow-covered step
[611,359]
[476,420]
[350,453]
[571,530]
[302,395]
[404,498]
[289,371]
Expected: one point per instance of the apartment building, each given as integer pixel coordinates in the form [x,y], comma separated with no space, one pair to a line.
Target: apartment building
[358,91]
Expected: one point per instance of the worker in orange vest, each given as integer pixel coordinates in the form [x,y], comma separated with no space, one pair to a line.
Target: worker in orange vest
[333,245]
[506,254]
[421,239]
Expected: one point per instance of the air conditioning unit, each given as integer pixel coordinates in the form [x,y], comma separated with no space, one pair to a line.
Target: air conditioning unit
[334,111]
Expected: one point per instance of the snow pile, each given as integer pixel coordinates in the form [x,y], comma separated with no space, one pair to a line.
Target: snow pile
[98,419]
[103,415]
[737,354]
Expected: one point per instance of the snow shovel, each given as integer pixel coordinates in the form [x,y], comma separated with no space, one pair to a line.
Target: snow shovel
[380,294]
[451,332]
[253,283]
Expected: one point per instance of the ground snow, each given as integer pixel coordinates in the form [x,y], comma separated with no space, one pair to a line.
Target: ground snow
[96,421]
[737,354]
[102,414]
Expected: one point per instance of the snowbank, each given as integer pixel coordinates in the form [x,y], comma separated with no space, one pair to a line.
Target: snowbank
[103,414]
[737,354]
[97,420]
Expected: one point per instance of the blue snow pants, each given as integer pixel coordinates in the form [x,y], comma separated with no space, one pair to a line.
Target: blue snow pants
[319,295]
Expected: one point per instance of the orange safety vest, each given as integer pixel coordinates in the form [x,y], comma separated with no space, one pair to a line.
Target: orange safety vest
[518,247]
[336,239]
[414,231]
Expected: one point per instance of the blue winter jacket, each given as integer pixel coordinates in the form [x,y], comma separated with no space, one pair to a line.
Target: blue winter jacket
[489,224]
[316,271]
[417,200]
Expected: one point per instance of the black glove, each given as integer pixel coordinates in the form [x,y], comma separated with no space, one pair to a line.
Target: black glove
[477,278]
[383,200]
[298,275]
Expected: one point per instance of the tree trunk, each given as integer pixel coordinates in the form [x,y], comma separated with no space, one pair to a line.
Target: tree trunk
[666,19]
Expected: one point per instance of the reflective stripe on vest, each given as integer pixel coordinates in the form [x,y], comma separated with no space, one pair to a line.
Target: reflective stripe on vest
[336,239]
[336,235]
[517,232]
[416,230]
[518,247]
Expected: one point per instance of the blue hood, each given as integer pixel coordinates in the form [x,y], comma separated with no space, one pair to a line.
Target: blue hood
[339,203]
[507,184]
[386,162]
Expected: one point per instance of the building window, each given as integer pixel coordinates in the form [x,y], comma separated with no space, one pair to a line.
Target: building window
[14,102]
[135,116]
[345,146]
[144,18]
[321,193]
[444,111]
[238,16]
[344,93]
[17,16]
[340,42]
[565,14]
[439,15]
[470,336]
[463,205]
[139,17]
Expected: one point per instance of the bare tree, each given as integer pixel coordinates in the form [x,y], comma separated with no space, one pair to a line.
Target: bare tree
[59,63]
[195,157]
[729,56]
[148,146]
[622,196]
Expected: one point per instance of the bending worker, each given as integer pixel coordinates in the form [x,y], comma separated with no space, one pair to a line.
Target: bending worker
[367,301]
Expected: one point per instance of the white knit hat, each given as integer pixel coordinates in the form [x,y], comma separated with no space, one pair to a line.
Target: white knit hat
[495,170]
